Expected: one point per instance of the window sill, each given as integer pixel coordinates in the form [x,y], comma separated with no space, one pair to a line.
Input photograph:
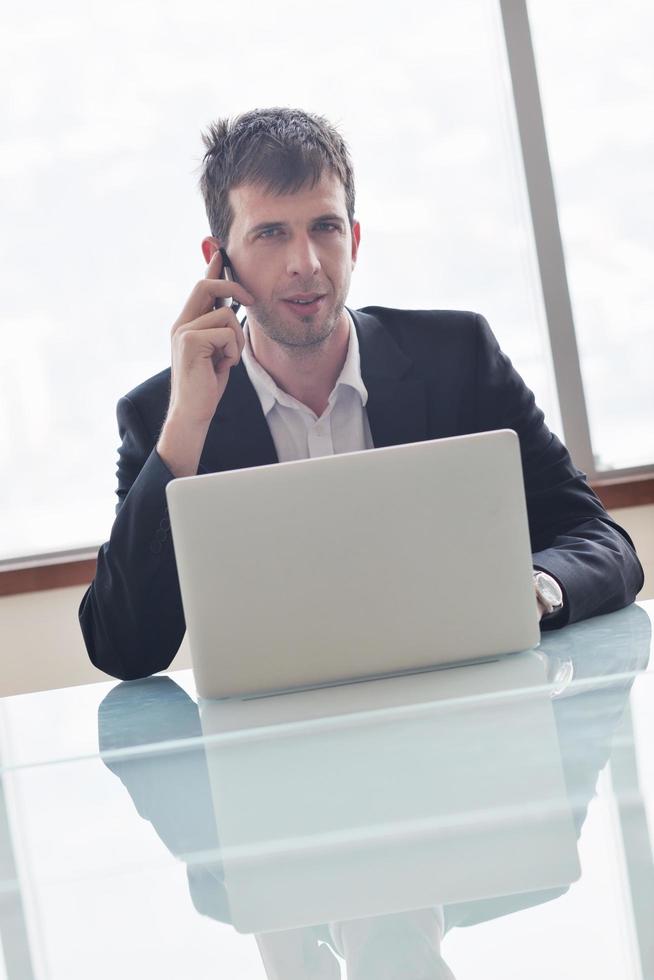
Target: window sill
[46,572]
[67,569]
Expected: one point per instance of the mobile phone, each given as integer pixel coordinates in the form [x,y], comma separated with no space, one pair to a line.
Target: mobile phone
[228,274]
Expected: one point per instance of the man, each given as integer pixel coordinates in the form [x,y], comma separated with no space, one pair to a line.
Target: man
[308,377]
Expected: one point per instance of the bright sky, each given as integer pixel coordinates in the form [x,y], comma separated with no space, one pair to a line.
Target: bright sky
[103,222]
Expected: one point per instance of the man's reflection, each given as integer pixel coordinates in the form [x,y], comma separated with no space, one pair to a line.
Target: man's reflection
[171,790]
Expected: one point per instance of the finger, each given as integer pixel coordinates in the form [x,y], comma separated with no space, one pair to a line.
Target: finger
[215,267]
[226,352]
[215,271]
[220,318]
[204,295]
[227,274]
[217,343]
[228,356]
[226,318]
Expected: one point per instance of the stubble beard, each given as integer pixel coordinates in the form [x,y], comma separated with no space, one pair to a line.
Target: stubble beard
[304,335]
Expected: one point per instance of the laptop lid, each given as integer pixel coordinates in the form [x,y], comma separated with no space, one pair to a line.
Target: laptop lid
[363,564]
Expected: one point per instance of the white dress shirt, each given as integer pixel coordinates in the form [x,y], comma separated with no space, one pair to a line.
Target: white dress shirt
[296,430]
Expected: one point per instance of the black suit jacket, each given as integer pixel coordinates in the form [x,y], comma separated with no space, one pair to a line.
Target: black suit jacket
[429,374]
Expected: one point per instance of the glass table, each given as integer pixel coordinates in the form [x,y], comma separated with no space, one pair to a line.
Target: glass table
[488,820]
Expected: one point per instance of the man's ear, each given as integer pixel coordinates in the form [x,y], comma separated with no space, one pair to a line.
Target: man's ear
[356,238]
[210,246]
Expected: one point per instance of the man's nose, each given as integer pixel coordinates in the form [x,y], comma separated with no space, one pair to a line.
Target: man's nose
[302,257]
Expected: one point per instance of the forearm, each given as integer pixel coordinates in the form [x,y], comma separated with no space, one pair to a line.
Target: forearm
[131,616]
[180,445]
[597,568]
[572,536]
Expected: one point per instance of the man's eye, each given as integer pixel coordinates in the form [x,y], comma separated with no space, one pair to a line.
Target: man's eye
[327,226]
[269,232]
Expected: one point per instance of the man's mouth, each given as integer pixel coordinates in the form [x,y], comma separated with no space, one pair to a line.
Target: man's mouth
[305,302]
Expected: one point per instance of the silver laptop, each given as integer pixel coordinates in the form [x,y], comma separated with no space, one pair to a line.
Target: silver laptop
[365,564]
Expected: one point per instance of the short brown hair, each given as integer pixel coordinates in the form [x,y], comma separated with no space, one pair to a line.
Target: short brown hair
[281,149]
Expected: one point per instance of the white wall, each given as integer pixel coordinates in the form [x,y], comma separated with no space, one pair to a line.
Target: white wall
[639,523]
[42,647]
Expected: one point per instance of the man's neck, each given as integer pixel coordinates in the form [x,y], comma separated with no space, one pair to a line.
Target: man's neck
[306,373]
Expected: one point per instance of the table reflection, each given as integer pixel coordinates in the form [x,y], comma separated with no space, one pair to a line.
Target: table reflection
[361,823]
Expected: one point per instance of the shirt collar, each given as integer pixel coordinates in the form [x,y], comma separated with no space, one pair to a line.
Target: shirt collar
[270,394]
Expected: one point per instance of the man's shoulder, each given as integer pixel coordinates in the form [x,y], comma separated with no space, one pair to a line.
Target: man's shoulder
[390,316]
[417,322]
[419,333]
[151,390]
[150,399]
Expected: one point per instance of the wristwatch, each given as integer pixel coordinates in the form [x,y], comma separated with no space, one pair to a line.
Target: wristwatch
[549,592]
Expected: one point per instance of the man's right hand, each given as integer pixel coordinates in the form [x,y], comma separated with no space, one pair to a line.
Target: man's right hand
[205,344]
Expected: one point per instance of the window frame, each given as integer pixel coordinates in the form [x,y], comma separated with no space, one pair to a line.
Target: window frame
[549,246]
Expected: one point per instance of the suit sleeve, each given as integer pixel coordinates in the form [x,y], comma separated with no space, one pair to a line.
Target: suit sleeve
[131,616]
[572,536]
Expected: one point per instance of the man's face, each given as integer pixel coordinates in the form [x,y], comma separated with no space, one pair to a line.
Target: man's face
[290,248]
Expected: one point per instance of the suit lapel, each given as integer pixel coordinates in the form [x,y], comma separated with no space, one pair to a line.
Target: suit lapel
[396,399]
[238,436]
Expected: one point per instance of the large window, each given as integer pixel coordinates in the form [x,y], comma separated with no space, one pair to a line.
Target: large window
[101,242]
[597,85]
